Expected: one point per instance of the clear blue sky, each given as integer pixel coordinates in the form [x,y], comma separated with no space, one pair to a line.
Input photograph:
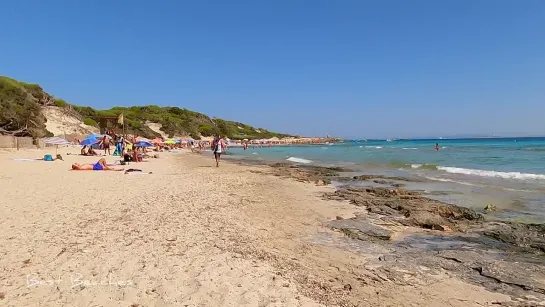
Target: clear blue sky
[350,68]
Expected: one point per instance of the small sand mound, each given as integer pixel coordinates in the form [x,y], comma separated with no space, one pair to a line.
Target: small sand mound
[156,127]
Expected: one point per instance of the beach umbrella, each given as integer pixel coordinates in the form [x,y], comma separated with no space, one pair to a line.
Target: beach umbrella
[56,141]
[93,136]
[143,139]
[89,141]
[157,141]
[143,144]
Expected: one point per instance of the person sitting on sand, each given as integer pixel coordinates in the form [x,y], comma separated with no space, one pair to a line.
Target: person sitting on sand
[99,166]
[92,152]
[88,152]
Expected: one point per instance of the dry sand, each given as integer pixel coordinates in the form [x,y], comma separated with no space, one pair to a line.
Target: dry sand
[187,235]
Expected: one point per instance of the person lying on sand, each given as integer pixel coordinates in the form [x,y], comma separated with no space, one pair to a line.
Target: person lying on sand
[99,166]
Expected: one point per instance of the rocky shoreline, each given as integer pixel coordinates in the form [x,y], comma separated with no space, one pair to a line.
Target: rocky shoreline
[425,238]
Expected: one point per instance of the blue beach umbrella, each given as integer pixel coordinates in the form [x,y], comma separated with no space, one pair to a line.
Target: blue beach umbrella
[92,135]
[143,144]
[89,141]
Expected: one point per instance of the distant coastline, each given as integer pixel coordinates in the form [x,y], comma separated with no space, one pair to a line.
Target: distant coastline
[448,138]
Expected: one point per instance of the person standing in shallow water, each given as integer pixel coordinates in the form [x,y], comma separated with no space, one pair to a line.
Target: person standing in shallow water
[218,146]
[436,146]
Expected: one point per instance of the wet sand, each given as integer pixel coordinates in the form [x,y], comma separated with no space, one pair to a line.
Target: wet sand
[194,235]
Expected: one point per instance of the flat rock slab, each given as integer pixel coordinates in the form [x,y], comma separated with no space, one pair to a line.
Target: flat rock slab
[524,275]
[362,229]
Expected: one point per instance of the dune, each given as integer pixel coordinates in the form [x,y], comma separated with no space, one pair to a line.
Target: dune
[156,127]
[60,122]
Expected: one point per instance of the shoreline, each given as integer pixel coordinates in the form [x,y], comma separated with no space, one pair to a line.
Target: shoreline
[238,234]
[434,226]
[514,200]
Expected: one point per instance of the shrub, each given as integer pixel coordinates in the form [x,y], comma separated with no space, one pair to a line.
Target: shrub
[61,103]
[90,122]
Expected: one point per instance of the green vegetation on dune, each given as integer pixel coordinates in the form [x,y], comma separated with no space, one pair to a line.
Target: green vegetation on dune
[21,103]
[174,122]
[20,108]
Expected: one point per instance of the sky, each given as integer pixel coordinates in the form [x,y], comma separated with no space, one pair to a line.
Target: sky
[347,68]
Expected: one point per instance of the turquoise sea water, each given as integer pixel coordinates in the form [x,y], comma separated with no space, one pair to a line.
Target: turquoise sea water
[505,171]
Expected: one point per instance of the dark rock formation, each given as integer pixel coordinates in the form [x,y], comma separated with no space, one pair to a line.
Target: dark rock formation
[361,229]
[407,207]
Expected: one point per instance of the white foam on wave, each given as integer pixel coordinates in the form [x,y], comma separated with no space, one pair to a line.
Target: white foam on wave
[298,160]
[453,181]
[477,185]
[416,165]
[377,147]
[413,148]
[483,173]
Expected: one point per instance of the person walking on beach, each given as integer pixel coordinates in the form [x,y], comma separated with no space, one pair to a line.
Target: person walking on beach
[218,146]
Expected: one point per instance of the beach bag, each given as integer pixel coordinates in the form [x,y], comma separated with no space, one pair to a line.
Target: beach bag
[48,158]
[127,158]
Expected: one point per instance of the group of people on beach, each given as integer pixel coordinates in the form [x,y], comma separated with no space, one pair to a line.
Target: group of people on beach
[131,153]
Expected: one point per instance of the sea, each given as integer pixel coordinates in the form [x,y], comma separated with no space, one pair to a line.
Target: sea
[508,173]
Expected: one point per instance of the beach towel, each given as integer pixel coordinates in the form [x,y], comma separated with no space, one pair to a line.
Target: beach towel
[135,171]
[117,151]
[23,159]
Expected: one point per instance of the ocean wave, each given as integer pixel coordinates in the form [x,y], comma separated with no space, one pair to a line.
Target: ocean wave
[406,148]
[403,165]
[453,181]
[539,149]
[478,185]
[483,173]
[377,147]
[298,160]
[425,166]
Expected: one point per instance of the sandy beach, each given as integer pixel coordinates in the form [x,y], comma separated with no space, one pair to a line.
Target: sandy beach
[189,235]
